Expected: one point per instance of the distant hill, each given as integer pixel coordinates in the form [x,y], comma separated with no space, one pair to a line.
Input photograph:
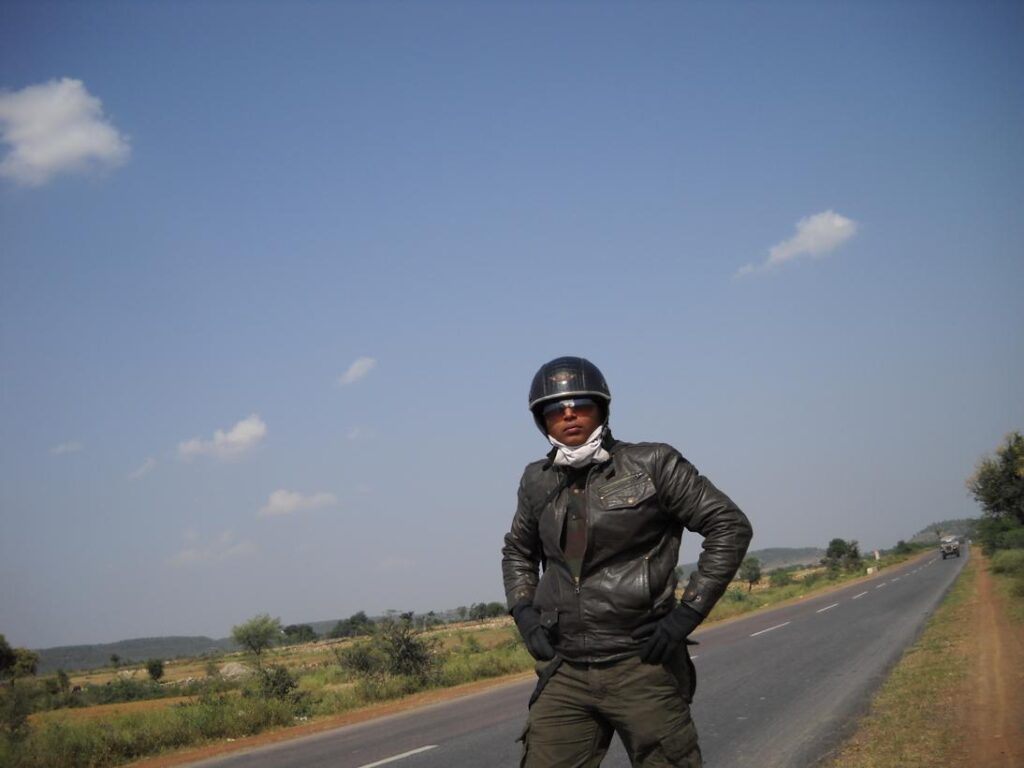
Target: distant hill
[778,557]
[79,657]
[962,528]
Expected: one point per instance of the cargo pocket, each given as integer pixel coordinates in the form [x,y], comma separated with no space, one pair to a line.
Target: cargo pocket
[681,748]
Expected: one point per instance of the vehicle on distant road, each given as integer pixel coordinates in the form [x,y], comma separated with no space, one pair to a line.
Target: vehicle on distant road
[950,547]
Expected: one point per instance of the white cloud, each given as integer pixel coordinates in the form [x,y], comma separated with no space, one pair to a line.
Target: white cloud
[226,445]
[815,235]
[72,447]
[284,502]
[223,547]
[55,127]
[146,467]
[357,370]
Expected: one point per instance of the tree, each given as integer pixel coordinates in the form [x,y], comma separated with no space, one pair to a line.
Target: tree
[837,550]
[750,571]
[155,667]
[63,682]
[842,554]
[356,624]
[26,662]
[7,658]
[115,660]
[998,486]
[299,633]
[257,634]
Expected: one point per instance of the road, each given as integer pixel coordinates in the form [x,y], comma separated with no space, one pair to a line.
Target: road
[778,689]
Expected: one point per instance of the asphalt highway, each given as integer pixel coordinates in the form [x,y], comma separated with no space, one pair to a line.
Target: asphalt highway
[779,689]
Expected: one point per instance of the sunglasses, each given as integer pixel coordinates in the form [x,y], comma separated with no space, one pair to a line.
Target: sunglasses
[582,405]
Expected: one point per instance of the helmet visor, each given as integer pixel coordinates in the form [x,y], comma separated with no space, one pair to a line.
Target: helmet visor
[580,405]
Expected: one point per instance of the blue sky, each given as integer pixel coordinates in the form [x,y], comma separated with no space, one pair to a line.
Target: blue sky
[274,279]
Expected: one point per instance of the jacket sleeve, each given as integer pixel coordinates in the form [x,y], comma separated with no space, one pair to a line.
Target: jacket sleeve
[702,508]
[521,555]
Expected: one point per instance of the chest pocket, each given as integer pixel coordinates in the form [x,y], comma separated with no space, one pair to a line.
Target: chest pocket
[628,491]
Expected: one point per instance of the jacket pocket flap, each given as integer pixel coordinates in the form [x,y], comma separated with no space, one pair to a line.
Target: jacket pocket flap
[627,492]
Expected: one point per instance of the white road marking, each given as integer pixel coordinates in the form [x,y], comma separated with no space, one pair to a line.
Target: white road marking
[880,586]
[896,579]
[827,607]
[857,597]
[410,753]
[777,626]
[694,658]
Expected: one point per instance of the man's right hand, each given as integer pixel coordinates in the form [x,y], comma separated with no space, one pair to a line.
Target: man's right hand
[538,643]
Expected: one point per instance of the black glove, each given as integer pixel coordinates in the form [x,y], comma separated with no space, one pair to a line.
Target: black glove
[537,641]
[665,636]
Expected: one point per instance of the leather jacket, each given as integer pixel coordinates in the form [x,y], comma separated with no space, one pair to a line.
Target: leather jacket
[638,503]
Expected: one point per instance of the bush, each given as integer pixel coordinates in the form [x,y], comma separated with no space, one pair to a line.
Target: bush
[275,683]
[1008,561]
[1011,539]
[155,668]
[780,578]
[362,658]
[406,652]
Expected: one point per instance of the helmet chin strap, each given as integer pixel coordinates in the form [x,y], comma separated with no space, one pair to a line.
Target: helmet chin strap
[590,452]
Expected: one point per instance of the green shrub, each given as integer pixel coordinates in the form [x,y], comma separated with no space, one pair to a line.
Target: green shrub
[1009,561]
[71,744]
[1011,539]
[362,658]
[780,578]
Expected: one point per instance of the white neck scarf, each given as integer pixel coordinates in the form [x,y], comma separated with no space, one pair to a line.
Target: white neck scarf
[590,452]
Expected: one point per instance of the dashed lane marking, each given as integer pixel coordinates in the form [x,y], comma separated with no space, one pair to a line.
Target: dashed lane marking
[827,607]
[880,586]
[394,758]
[857,597]
[777,626]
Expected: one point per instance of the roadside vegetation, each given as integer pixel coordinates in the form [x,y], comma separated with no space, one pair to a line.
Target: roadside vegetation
[998,486]
[917,719]
[288,675]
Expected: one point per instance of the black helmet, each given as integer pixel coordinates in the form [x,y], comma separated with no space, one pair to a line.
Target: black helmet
[566,377]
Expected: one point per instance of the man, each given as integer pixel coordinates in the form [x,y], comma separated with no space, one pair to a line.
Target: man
[604,519]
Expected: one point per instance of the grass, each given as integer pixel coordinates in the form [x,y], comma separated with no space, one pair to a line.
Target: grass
[65,740]
[913,720]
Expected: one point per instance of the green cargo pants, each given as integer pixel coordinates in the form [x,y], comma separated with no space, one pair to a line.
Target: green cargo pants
[581,706]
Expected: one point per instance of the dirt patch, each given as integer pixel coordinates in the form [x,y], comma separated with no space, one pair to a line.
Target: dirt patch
[101,711]
[992,707]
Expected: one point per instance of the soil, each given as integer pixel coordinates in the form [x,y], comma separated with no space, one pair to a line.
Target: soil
[992,708]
